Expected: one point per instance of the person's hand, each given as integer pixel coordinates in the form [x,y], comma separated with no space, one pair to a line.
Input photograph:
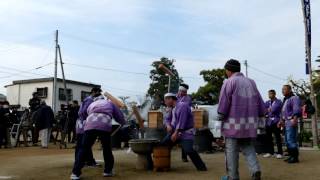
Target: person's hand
[280,124]
[169,129]
[294,121]
[174,136]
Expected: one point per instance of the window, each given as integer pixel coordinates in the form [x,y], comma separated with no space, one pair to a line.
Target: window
[84,94]
[42,92]
[62,97]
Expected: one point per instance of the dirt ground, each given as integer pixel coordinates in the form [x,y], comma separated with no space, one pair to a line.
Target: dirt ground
[55,164]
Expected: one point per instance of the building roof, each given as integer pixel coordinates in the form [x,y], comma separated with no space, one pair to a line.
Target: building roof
[50,79]
[3,97]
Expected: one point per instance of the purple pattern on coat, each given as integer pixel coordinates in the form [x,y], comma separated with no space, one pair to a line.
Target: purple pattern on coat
[100,114]
[242,105]
[83,114]
[186,99]
[183,120]
[291,107]
[273,117]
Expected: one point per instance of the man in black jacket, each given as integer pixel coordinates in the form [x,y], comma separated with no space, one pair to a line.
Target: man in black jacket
[3,125]
[44,119]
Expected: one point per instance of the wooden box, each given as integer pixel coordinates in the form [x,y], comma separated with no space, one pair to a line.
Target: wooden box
[201,118]
[155,119]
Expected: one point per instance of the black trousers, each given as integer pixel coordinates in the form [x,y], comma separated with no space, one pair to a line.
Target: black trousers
[89,138]
[187,146]
[89,160]
[273,130]
[3,136]
[35,135]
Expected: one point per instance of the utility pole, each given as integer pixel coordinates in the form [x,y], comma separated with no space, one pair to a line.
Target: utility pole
[307,24]
[54,92]
[246,65]
[63,142]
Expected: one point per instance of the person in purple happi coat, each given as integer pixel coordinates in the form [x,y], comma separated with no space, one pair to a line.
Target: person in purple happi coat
[90,161]
[273,114]
[180,129]
[240,109]
[99,124]
[184,97]
[291,112]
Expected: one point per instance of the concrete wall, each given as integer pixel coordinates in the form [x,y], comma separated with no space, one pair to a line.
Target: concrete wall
[21,93]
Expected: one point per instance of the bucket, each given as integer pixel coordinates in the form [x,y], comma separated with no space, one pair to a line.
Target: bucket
[161,158]
[203,140]
[155,133]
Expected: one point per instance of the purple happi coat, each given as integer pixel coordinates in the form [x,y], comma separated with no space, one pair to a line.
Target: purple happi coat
[181,119]
[241,105]
[291,107]
[186,99]
[83,114]
[273,117]
[100,115]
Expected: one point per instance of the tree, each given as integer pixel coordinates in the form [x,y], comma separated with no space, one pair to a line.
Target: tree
[209,93]
[302,88]
[159,85]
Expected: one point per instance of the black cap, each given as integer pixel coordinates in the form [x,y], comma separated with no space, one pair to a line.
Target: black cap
[233,65]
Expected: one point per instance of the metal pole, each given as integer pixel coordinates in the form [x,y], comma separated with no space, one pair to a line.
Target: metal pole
[312,93]
[169,84]
[54,91]
[65,128]
[246,65]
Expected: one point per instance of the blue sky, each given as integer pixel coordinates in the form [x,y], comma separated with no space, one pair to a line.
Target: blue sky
[198,34]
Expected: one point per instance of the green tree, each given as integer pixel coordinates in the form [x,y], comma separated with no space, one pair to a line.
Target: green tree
[209,93]
[302,88]
[159,85]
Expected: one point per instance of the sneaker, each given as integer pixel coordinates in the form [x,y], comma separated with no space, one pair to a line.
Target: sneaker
[267,155]
[74,177]
[279,156]
[108,174]
[224,178]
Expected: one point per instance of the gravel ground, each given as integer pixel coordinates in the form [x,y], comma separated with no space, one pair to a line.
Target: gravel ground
[56,164]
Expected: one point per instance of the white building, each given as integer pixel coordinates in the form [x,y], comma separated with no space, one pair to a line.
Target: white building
[19,92]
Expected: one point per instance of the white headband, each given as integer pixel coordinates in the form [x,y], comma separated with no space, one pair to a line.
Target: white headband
[181,88]
[98,98]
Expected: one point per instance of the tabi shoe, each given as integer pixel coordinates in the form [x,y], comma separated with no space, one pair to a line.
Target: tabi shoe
[185,160]
[108,174]
[202,169]
[287,159]
[293,160]
[289,154]
[279,156]
[267,155]
[74,177]
[256,176]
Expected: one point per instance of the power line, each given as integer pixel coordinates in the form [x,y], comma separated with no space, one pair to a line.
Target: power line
[25,71]
[118,70]
[106,69]
[22,42]
[266,73]
[136,51]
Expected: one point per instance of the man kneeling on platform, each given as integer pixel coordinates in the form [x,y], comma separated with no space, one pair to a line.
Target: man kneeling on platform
[180,129]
